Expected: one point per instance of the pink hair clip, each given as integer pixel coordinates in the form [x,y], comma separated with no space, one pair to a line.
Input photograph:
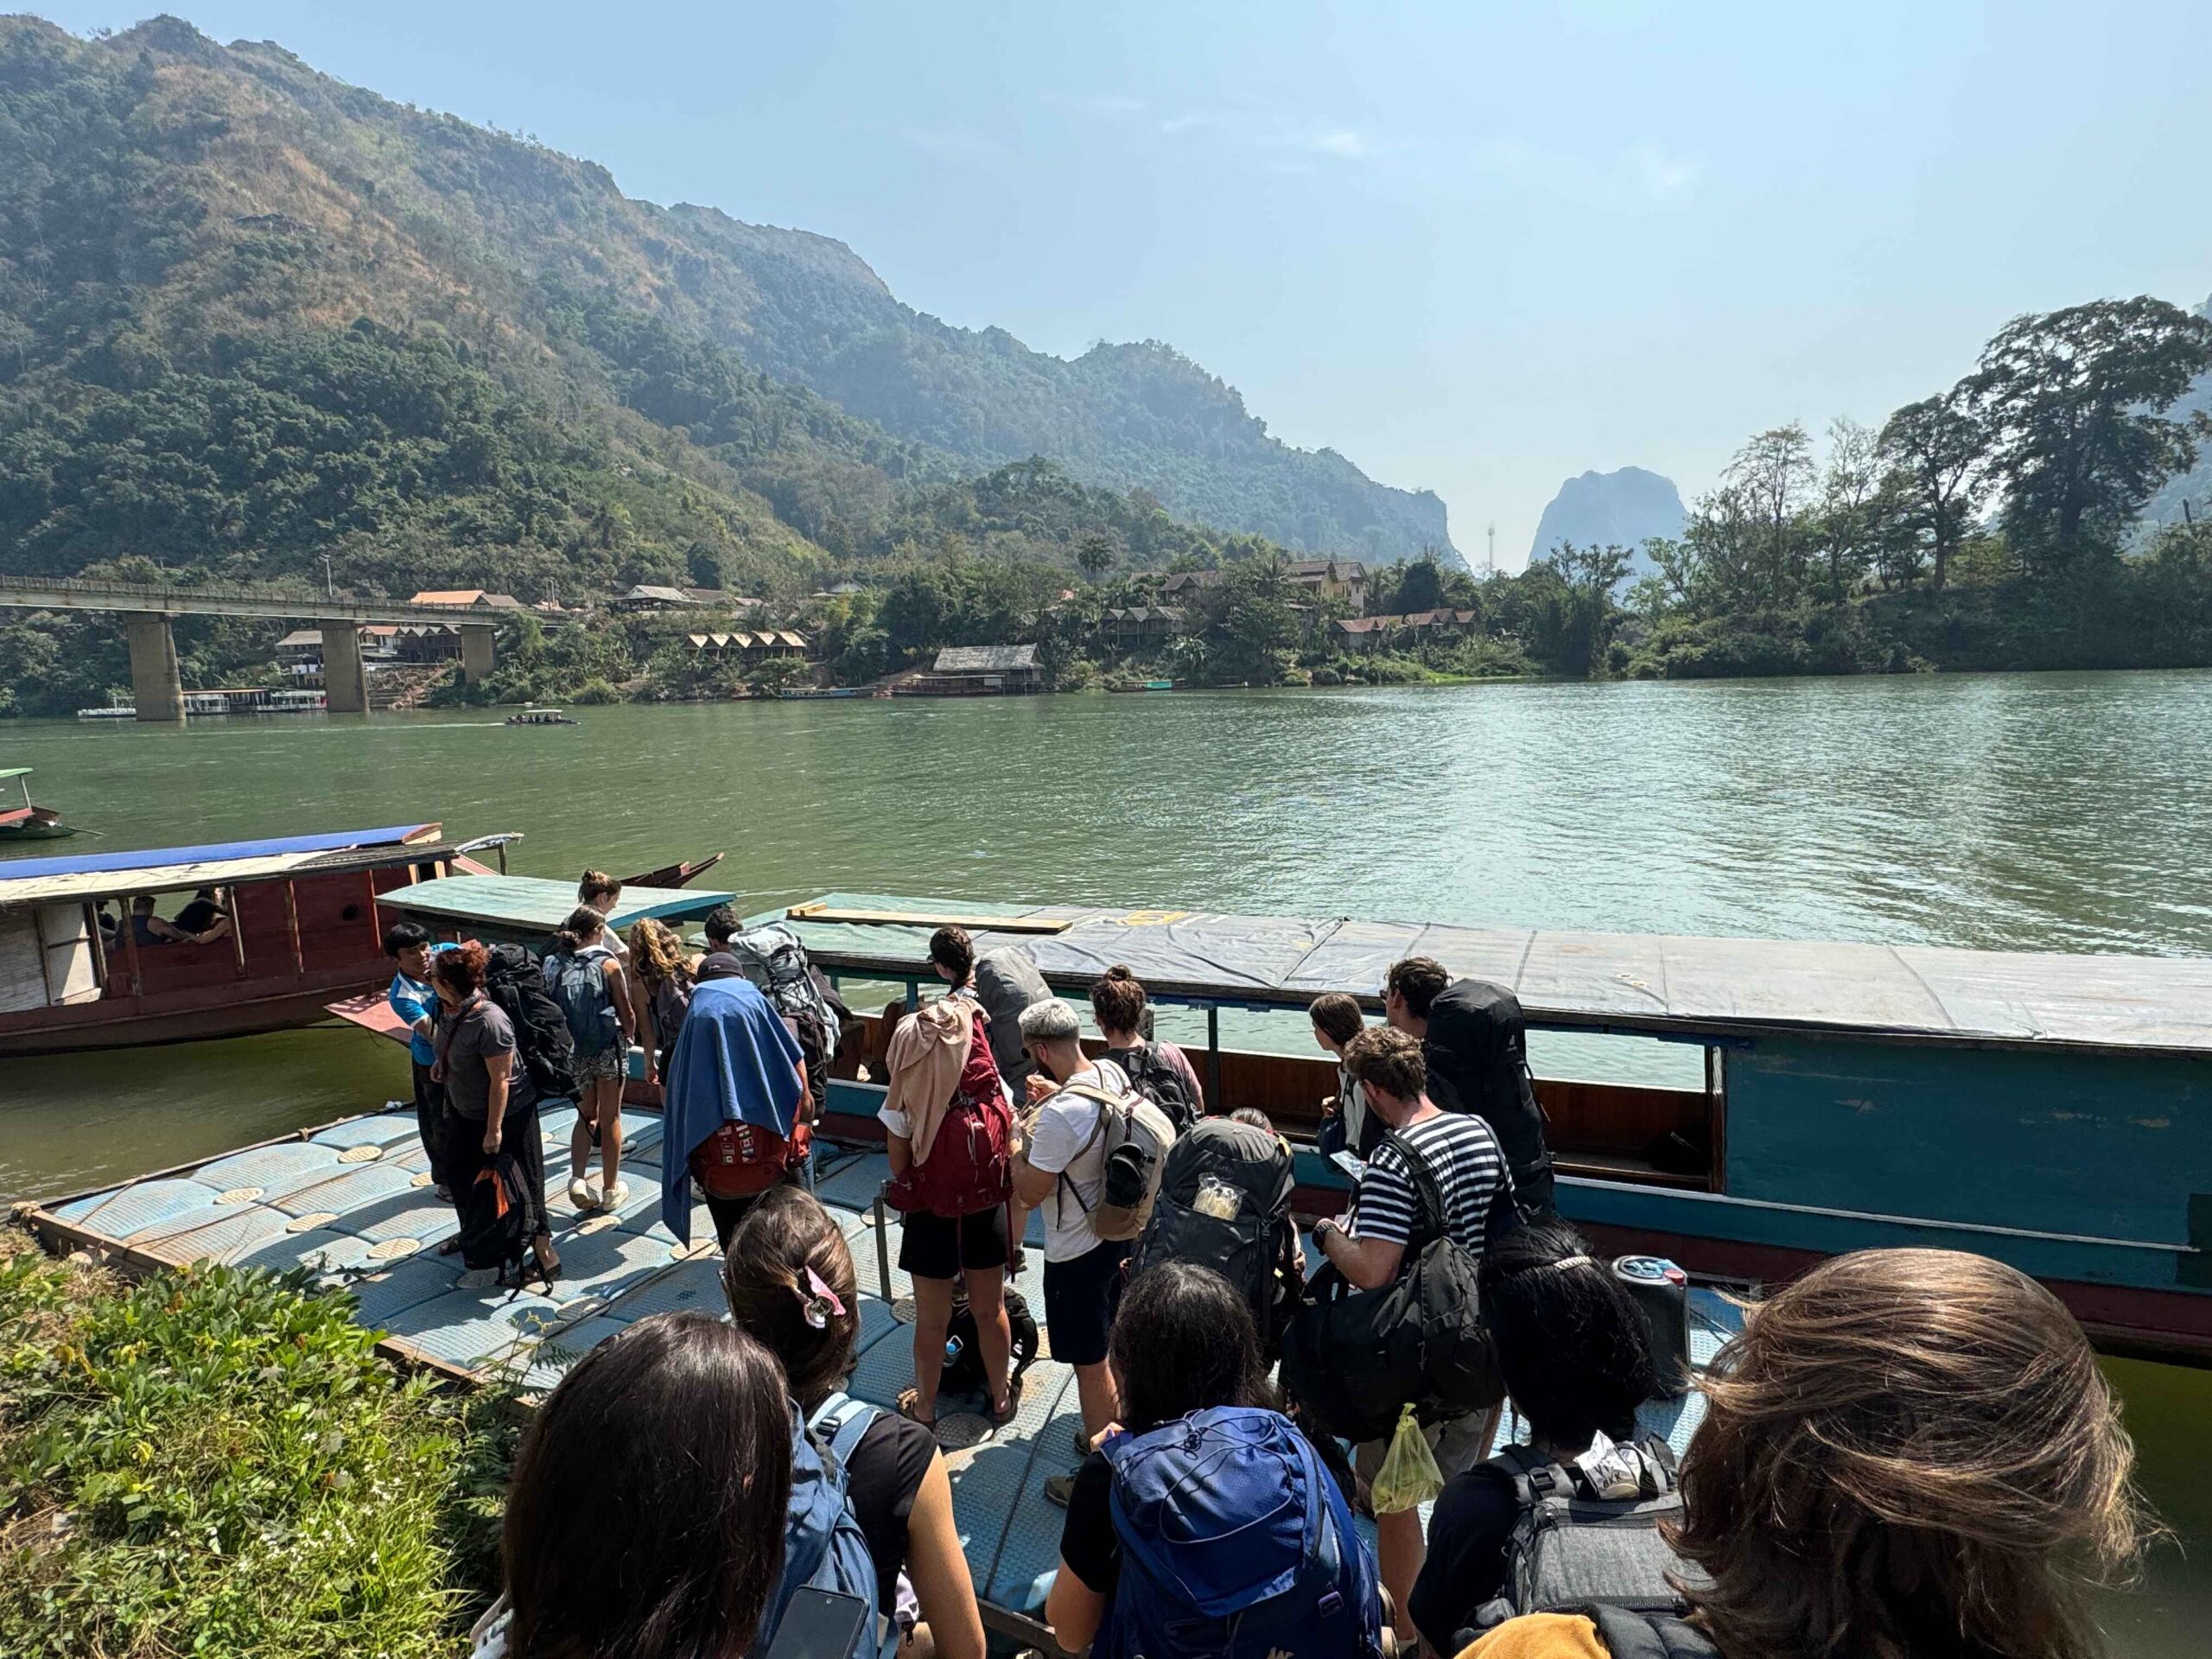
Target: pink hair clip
[821,1303]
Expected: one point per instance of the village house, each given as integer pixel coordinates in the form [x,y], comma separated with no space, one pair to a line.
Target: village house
[1372,633]
[1344,579]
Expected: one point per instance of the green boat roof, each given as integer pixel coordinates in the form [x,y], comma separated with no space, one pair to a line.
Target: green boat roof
[1662,985]
[7,772]
[535,904]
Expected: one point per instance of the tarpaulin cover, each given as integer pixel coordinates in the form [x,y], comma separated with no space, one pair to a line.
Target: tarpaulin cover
[1626,981]
[18,869]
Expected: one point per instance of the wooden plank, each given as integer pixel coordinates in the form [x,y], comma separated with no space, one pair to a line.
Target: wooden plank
[821,912]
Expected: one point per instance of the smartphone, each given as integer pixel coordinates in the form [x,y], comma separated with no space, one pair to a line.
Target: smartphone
[1350,1163]
[822,1625]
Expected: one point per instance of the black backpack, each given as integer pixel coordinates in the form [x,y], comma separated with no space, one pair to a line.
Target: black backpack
[1571,1546]
[1356,1358]
[1628,1634]
[1249,1249]
[495,1219]
[963,1363]
[1477,1054]
[516,983]
[1159,1083]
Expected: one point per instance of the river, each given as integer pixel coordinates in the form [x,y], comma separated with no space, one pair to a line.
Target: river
[2054,812]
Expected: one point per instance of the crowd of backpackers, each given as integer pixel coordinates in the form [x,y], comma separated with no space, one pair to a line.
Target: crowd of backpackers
[1906,1453]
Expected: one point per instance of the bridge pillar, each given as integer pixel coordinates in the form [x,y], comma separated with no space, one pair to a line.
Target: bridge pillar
[345,681]
[156,686]
[477,652]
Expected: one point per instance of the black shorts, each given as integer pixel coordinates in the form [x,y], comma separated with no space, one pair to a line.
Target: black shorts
[1080,1297]
[939,1247]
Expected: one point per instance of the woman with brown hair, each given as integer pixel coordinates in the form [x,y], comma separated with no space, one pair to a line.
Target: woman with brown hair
[647,1511]
[1161,1069]
[789,1279]
[1907,1454]
[1336,1019]
[490,1103]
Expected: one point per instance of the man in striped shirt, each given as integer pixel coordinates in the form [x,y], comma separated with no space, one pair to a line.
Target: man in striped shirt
[1388,1214]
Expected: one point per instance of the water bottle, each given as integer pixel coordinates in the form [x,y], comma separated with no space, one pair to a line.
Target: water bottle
[1661,1292]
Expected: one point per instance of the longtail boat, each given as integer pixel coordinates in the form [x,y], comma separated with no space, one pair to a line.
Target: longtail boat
[28,822]
[306,917]
[2051,1111]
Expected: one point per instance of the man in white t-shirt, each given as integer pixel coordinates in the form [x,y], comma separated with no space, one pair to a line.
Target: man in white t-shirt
[1060,1169]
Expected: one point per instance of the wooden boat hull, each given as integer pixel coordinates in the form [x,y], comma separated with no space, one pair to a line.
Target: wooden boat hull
[234,1010]
[675,875]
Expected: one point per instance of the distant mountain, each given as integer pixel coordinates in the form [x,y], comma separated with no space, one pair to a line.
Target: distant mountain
[248,312]
[1625,508]
[1127,416]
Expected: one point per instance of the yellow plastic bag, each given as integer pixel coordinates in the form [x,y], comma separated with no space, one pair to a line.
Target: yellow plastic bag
[1409,1477]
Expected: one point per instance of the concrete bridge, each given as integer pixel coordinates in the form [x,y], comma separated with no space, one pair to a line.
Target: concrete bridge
[148,614]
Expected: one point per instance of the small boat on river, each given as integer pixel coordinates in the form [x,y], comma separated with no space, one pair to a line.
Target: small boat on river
[541,717]
[26,822]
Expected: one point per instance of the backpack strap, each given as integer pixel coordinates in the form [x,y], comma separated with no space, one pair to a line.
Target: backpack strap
[843,1422]
[1103,1099]
[1430,1222]
[453,1029]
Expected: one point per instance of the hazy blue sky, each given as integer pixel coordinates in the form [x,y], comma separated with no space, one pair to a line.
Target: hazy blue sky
[1474,248]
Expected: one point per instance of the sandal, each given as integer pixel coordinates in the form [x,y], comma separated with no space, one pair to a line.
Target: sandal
[451,1246]
[1002,1415]
[908,1399]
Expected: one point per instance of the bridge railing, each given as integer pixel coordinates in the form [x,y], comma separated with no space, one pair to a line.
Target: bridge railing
[301,601]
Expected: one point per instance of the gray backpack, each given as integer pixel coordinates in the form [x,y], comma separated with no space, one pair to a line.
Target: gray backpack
[776,964]
[1006,981]
[1571,1548]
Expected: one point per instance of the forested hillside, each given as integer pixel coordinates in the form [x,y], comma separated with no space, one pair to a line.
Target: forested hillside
[249,316]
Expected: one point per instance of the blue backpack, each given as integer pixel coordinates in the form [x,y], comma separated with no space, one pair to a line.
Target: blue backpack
[579,985]
[1235,1544]
[823,1548]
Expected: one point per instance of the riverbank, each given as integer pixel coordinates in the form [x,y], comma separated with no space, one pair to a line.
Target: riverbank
[215,1461]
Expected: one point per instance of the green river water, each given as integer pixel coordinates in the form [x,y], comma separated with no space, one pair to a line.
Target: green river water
[2057,812]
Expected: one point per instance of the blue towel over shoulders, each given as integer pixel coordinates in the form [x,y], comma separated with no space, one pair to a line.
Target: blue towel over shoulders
[735,1060]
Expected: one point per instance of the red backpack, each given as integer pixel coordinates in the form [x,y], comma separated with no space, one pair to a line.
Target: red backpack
[970,1165]
[739,1159]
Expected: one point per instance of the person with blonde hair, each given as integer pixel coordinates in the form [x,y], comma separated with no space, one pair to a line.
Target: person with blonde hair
[584,976]
[1907,1454]
[663,983]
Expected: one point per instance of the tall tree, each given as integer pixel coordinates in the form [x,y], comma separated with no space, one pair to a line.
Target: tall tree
[2073,402]
[1773,477]
[1850,484]
[1586,616]
[1937,450]
[1094,554]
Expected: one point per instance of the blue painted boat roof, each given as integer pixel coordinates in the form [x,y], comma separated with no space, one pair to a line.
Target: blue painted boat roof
[150,858]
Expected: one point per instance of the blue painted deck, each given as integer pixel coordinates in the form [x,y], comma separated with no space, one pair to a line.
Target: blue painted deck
[352,1202]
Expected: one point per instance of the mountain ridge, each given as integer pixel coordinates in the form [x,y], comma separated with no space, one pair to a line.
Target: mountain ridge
[229,191]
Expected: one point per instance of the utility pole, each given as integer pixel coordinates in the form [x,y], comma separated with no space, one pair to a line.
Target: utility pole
[329,584]
[1489,563]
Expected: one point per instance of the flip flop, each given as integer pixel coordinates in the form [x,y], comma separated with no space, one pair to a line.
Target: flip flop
[1000,1419]
[908,1399]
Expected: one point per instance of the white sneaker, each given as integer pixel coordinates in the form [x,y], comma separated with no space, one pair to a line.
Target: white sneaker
[582,1193]
[602,1199]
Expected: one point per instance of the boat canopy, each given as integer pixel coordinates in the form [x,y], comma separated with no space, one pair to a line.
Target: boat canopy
[1654,984]
[149,858]
[62,880]
[7,772]
[534,904]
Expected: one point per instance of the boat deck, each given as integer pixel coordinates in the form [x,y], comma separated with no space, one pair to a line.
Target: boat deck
[351,1202]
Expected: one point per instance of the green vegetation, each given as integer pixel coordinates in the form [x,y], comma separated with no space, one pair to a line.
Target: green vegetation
[1883,560]
[216,1462]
